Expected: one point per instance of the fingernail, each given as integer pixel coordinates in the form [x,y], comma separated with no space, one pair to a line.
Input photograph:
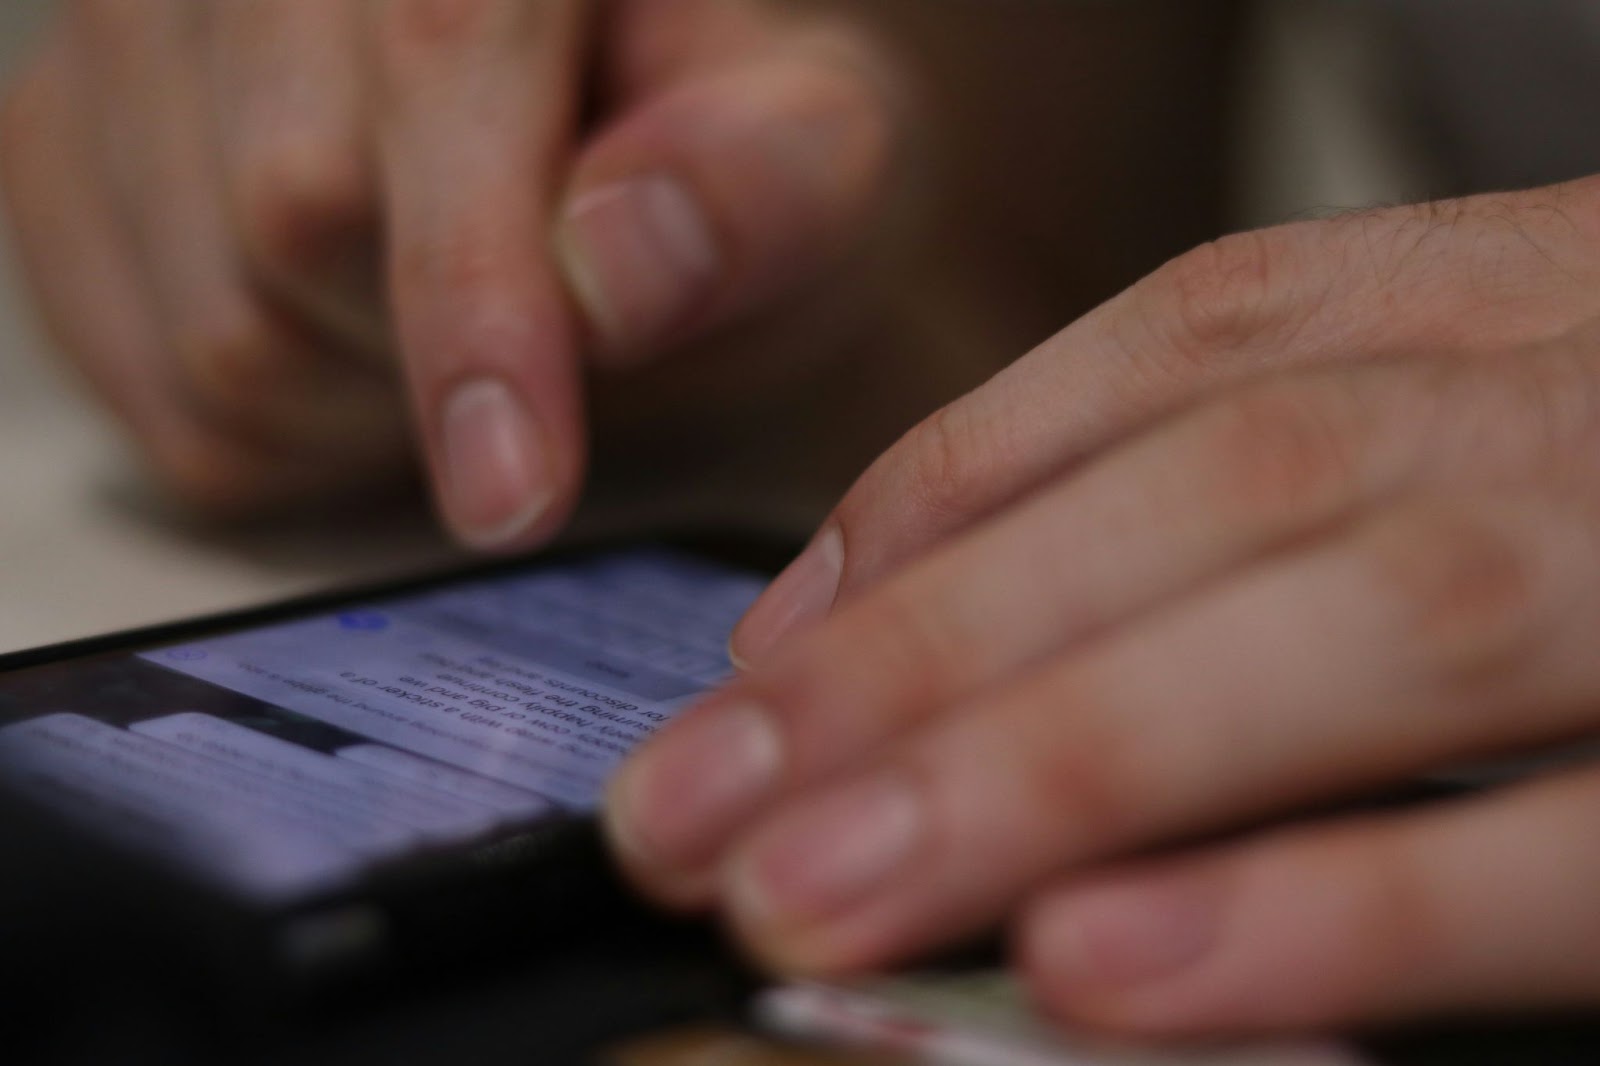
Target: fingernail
[838,850]
[803,593]
[683,794]
[1121,936]
[639,255]
[496,469]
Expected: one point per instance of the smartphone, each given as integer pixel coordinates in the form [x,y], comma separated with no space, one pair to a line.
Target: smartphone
[374,780]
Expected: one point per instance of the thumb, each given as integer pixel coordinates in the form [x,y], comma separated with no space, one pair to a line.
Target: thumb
[715,191]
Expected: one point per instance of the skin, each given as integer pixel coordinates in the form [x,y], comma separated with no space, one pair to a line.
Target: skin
[287,241]
[1305,512]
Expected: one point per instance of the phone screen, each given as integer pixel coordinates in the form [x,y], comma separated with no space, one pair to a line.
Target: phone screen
[289,760]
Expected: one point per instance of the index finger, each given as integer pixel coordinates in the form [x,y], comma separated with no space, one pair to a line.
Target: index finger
[478,101]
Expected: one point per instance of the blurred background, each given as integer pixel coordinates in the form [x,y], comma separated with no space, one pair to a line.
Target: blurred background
[1162,139]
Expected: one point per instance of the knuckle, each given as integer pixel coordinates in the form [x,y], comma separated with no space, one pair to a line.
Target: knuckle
[431,24]
[1085,784]
[413,31]
[1556,397]
[943,463]
[1466,590]
[231,361]
[292,203]
[1283,448]
[1374,899]
[469,301]
[1394,930]
[910,642]
[468,261]
[1077,761]
[208,474]
[35,108]
[23,112]
[1220,297]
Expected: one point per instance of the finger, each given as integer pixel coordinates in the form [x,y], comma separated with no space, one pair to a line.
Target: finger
[1483,906]
[478,104]
[1438,631]
[88,289]
[297,156]
[1277,464]
[726,176]
[247,366]
[1367,286]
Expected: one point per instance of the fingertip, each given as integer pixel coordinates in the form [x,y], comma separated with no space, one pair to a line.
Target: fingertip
[490,351]
[498,480]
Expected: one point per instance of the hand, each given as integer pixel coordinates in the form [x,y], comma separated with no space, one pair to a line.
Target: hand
[1308,511]
[241,216]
